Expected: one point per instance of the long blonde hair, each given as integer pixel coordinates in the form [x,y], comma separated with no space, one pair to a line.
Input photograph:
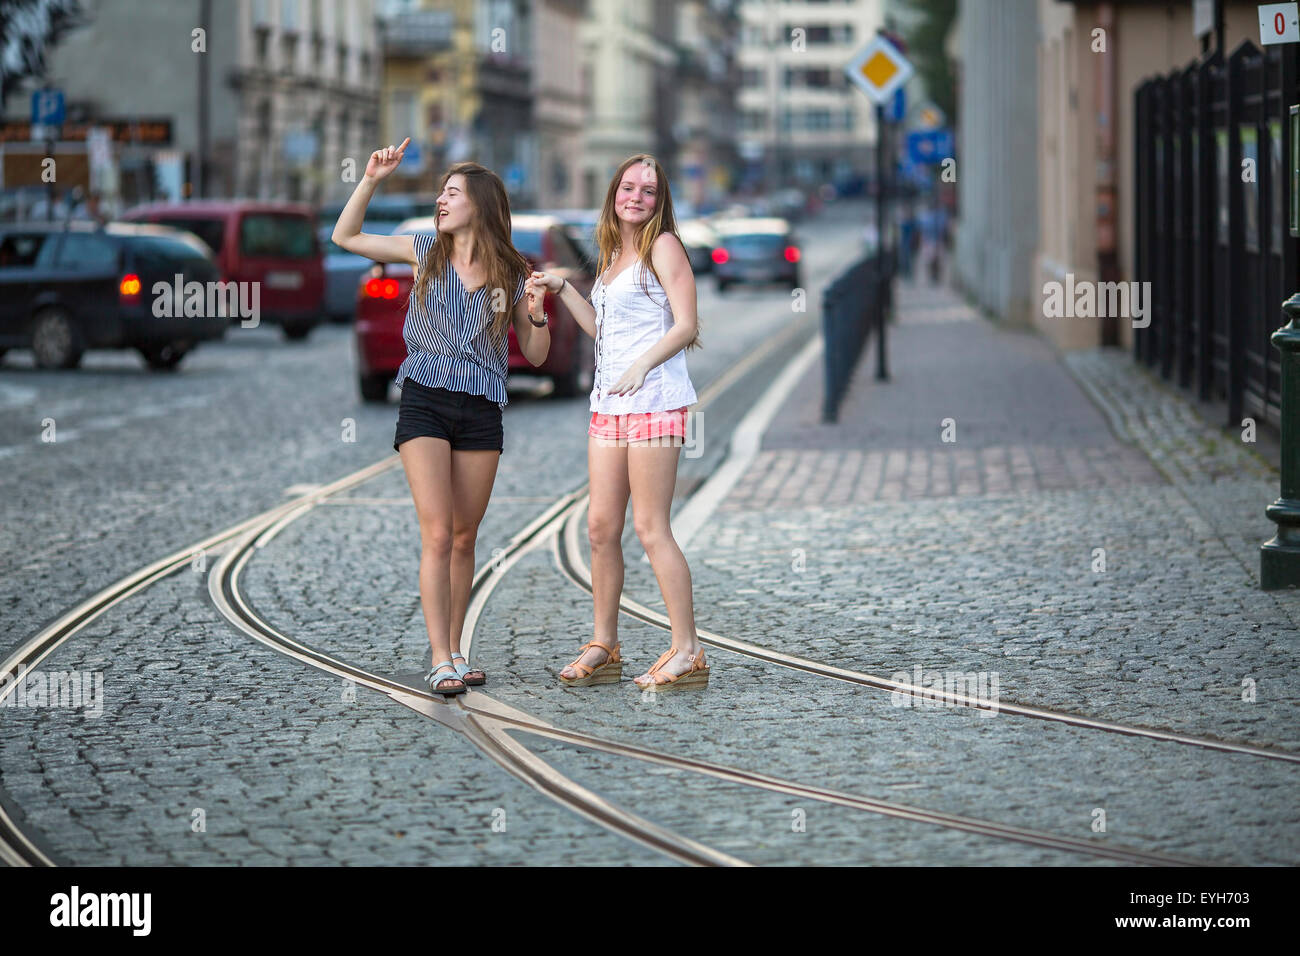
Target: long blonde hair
[490,223]
[610,241]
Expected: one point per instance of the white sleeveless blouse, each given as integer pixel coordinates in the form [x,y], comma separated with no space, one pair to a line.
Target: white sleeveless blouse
[628,323]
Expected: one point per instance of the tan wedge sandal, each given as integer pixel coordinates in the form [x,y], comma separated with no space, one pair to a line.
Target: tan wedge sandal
[697,676]
[610,672]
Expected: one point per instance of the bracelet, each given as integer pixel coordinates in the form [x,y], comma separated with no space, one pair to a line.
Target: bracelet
[537,325]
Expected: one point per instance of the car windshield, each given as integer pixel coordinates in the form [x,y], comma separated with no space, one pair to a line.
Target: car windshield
[757,242]
[157,253]
[528,241]
[274,234]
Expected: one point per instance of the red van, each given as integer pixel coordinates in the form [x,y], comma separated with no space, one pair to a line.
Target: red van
[271,243]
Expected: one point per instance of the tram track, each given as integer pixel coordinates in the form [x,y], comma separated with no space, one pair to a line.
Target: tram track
[488,723]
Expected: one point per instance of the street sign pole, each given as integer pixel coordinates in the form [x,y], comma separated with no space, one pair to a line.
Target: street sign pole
[882,370]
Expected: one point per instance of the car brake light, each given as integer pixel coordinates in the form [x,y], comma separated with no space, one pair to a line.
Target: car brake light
[381,288]
[128,289]
[791,254]
[720,255]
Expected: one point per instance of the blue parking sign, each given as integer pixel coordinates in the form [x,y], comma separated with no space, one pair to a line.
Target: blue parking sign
[47,107]
[929,146]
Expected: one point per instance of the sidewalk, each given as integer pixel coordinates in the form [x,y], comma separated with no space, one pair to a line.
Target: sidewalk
[1086,537]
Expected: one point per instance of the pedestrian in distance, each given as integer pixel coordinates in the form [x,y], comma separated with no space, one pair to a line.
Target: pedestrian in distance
[469,287]
[642,314]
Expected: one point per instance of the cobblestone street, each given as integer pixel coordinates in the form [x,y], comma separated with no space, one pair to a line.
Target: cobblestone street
[1087,544]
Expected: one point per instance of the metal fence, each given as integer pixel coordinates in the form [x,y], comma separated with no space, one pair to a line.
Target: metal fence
[854,304]
[1212,195]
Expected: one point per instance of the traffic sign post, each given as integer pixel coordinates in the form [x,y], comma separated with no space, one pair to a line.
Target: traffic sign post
[880,71]
[47,116]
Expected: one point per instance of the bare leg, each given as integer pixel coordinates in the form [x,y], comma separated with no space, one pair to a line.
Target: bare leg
[652,474]
[427,462]
[472,475]
[606,514]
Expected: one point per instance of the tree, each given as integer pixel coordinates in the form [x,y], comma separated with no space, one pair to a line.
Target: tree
[28,28]
[926,35]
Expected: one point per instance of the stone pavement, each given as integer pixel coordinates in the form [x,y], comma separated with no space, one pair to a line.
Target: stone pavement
[1085,537]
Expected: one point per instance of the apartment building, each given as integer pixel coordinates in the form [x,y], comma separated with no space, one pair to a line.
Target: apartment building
[801,122]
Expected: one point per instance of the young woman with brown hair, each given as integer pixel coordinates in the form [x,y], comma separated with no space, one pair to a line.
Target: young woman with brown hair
[469,288]
[644,317]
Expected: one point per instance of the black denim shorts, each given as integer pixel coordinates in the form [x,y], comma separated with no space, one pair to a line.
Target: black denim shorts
[468,422]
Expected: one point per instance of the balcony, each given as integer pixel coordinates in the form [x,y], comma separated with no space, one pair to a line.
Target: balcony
[417,33]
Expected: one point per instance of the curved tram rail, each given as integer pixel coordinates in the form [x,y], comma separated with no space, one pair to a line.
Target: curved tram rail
[487,722]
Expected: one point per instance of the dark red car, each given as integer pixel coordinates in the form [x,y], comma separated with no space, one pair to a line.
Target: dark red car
[381,311]
[271,243]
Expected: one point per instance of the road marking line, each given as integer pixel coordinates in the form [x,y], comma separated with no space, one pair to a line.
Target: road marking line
[745,443]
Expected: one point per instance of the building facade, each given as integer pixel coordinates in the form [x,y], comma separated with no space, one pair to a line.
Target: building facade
[997,156]
[629,65]
[802,123]
[280,92]
[708,77]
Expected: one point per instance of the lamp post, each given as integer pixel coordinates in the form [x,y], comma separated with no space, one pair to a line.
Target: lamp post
[1279,557]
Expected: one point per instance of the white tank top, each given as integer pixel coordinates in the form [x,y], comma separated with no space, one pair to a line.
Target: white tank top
[628,323]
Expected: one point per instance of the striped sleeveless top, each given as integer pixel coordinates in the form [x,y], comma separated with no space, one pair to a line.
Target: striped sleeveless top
[448,340]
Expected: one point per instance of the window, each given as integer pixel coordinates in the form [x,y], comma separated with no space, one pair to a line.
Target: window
[289,16]
[211,231]
[753,77]
[85,253]
[18,251]
[273,234]
[158,255]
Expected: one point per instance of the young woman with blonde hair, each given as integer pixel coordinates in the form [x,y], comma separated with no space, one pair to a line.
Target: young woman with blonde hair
[642,314]
[469,288]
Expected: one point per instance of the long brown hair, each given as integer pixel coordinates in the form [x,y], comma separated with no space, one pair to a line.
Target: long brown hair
[610,241]
[490,225]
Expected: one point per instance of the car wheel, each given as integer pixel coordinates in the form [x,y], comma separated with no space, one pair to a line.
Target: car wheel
[165,357]
[56,340]
[722,285]
[297,331]
[374,388]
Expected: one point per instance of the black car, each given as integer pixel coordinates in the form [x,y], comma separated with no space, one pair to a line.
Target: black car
[756,251]
[68,287]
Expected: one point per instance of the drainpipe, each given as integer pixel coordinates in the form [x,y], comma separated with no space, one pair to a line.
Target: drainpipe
[1107,218]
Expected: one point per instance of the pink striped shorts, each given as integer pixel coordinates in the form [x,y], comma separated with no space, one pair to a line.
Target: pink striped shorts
[638,426]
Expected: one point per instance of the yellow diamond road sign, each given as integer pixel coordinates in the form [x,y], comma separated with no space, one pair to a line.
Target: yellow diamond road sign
[879,69]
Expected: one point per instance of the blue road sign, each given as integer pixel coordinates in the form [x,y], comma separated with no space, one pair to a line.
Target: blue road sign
[929,145]
[897,106]
[514,176]
[47,107]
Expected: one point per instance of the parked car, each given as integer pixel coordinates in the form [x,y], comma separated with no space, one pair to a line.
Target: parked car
[270,243]
[345,270]
[66,290]
[382,305]
[700,239]
[580,226]
[756,251]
